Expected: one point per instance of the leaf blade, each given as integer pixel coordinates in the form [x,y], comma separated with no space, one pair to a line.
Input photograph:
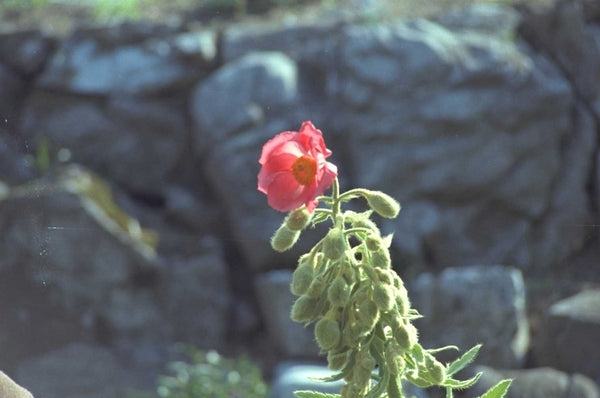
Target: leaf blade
[499,390]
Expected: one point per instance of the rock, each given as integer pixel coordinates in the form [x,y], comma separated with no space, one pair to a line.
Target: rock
[566,332]
[13,91]
[240,95]
[275,301]
[67,233]
[293,376]
[10,389]
[445,122]
[535,383]
[477,304]
[25,51]
[563,33]
[198,298]
[112,61]
[488,18]
[78,370]
[132,132]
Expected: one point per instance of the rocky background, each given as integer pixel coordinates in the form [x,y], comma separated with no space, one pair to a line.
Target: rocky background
[130,219]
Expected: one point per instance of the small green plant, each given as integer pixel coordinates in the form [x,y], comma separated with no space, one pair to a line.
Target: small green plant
[346,286]
[210,375]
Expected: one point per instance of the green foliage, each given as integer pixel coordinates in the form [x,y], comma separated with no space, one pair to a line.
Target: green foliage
[209,375]
[499,390]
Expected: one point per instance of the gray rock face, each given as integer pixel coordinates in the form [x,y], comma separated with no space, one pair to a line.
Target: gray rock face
[198,286]
[470,305]
[566,334]
[535,383]
[25,51]
[142,141]
[88,254]
[447,122]
[240,95]
[77,370]
[275,299]
[105,62]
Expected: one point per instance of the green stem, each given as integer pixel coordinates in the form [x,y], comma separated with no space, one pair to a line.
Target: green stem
[335,196]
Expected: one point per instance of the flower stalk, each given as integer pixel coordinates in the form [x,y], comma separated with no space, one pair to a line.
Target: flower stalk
[347,287]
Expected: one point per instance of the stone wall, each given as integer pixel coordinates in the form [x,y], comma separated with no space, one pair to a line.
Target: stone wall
[128,162]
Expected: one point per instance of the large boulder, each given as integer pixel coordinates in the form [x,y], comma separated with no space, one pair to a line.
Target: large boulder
[78,370]
[450,123]
[79,257]
[566,334]
[133,59]
[133,134]
[465,306]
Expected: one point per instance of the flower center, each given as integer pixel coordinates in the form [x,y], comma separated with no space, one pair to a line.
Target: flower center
[304,169]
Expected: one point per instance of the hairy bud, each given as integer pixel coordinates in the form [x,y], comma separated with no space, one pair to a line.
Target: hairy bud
[383,276]
[337,361]
[405,335]
[334,244]
[302,278]
[383,296]
[368,315]
[381,259]
[374,243]
[436,370]
[338,292]
[316,288]
[298,219]
[284,238]
[394,358]
[304,309]
[383,204]
[327,333]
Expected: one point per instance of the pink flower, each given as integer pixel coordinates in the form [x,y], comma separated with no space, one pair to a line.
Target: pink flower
[294,171]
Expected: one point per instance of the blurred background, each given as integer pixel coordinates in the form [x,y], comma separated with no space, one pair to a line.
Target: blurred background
[134,246]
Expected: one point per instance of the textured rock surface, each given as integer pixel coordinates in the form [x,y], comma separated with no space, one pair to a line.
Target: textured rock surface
[448,123]
[275,299]
[77,370]
[103,61]
[565,335]
[465,306]
[536,383]
[142,141]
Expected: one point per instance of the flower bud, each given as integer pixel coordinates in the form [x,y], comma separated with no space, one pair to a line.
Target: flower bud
[338,292]
[316,288]
[337,361]
[302,278]
[405,335]
[327,333]
[383,296]
[383,276]
[394,358]
[284,238]
[383,204]
[334,244]
[436,370]
[368,315]
[367,361]
[298,219]
[381,259]
[374,243]
[361,377]
[402,301]
[304,309]
[351,334]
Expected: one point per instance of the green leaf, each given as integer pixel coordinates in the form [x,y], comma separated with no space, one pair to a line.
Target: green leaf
[314,394]
[463,361]
[461,384]
[499,390]
[335,377]
[445,348]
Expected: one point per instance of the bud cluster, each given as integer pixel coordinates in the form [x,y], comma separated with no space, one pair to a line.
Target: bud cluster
[359,305]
